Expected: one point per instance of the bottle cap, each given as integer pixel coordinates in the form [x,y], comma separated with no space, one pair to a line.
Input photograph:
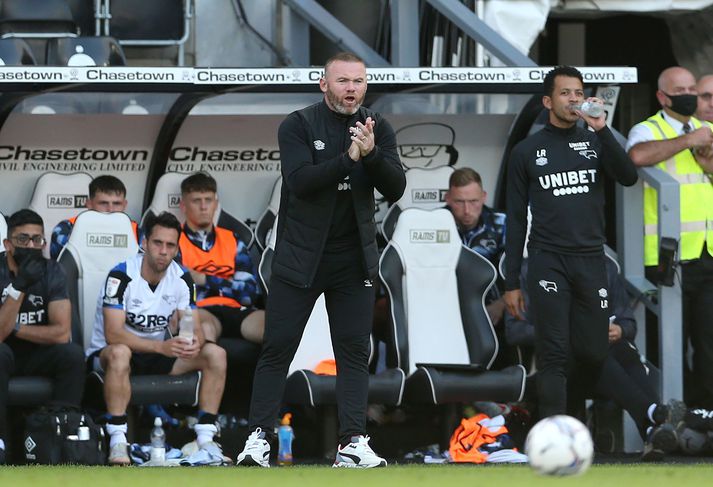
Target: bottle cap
[286,419]
[157,421]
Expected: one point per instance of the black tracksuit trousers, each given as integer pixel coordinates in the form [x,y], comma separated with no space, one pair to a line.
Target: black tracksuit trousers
[570,309]
[350,306]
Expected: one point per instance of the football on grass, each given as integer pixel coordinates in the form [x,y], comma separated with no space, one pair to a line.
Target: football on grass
[559,445]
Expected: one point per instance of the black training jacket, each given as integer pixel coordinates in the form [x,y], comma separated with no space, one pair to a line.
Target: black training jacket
[313,147]
[560,173]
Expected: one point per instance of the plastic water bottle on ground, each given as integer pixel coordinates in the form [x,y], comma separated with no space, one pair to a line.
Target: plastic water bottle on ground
[285,435]
[186,326]
[158,442]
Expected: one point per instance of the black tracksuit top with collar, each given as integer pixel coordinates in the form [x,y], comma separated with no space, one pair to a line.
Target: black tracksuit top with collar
[314,163]
[559,173]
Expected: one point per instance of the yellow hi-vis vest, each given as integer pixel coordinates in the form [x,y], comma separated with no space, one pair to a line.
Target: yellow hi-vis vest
[696,199]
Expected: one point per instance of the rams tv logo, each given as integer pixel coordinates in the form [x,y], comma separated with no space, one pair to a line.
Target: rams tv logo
[107,240]
[430,236]
[428,195]
[66,200]
[174,200]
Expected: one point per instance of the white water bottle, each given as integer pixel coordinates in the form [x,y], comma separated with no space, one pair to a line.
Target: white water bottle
[158,441]
[186,325]
[590,108]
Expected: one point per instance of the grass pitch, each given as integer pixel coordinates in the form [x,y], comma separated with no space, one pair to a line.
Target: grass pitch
[397,475]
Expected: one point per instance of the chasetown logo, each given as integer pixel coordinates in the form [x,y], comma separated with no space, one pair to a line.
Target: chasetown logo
[107,240]
[174,200]
[319,145]
[66,200]
[429,236]
[428,195]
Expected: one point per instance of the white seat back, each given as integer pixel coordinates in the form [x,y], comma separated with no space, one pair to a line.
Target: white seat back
[167,197]
[425,189]
[316,343]
[3,231]
[429,247]
[98,242]
[58,197]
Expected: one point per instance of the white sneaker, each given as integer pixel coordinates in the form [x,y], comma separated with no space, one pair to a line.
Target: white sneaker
[358,454]
[256,452]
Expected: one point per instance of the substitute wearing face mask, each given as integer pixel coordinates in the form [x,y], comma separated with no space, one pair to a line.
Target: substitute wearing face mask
[35,318]
[681,145]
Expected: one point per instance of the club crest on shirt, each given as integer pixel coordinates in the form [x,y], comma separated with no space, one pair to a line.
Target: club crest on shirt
[548,285]
[541,157]
[318,144]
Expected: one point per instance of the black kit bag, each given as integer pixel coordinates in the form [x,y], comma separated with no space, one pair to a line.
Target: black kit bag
[52,436]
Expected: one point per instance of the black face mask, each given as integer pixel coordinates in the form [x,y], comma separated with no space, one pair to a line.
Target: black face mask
[21,254]
[685,105]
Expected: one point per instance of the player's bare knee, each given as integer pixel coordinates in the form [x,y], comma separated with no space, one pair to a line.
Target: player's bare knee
[215,356]
[117,357]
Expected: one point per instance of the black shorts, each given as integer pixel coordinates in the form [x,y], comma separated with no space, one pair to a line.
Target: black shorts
[230,319]
[141,363]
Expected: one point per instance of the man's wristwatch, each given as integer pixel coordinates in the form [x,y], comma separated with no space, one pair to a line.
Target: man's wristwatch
[12,292]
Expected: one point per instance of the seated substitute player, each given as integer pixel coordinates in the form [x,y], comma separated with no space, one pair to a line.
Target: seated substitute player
[140,301]
[107,194]
[224,273]
[35,318]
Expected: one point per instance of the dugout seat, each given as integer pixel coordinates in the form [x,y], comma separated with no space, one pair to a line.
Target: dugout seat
[15,52]
[425,189]
[57,197]
[167,197]
[444,338]
[304,387]
[85,51]
[98,242]
[263,228]
[3,230]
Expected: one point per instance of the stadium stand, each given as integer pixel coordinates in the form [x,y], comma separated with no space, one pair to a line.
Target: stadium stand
[98,242]
[84,13]
[305,387]
[15,52]
[85,51]
[149,24]
[36,21]
[425,189]
[57,197]
[444,338]
[266,221]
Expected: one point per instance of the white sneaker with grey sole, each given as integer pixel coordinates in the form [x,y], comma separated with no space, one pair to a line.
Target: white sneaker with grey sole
[358,454]
[256,452]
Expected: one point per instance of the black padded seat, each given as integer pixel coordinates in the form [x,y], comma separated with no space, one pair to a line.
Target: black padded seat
[16,52]
[29,391]
[85,51]
[444,338]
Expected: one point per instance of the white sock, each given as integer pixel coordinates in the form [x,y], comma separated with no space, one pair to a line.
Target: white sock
[650,413]
[2,444]
[204,433]
[117,433]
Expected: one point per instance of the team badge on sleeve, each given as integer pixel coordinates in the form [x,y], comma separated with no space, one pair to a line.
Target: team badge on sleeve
[112,287]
